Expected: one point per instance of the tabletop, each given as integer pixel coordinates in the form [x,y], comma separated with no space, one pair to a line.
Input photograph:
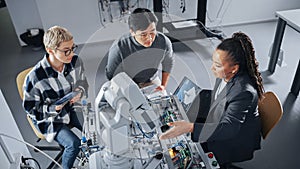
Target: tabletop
[292,17]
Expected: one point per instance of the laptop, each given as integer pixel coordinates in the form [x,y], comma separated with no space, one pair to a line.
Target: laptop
[194,100]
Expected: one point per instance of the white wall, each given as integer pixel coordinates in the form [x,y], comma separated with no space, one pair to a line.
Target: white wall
[245,11]
[24,15]
[82,17]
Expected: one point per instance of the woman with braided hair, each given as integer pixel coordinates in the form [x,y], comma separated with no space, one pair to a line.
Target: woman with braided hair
[232,127]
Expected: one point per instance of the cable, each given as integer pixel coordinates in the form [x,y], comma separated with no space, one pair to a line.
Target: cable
[210,33]
[147,135]
[226,9]
[219,12]
[166,9]
[221,6]
[101,9]
[182,6]
[32,146]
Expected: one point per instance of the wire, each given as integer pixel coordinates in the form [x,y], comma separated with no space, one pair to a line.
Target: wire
[219,12]
[101,9]
[147,135]
[182,5]
[210,33]
[32,146]
[221,6]
[226,9]
[166,9]
[166,5]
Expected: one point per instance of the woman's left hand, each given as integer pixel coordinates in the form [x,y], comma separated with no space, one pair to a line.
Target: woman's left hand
[77,97]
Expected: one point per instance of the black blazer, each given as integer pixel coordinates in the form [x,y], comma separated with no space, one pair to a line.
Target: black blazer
[232,127]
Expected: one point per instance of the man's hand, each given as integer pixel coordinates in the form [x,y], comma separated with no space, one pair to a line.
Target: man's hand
[178,128]
[160,88]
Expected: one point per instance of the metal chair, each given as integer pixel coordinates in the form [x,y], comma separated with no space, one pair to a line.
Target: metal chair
[270,110]
[20,81]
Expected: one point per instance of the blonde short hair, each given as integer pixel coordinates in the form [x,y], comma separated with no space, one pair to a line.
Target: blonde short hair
[55,35]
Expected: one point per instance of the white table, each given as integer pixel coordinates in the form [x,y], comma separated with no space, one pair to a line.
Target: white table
[292,19]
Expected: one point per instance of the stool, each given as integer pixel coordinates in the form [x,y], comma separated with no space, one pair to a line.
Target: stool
[57,158]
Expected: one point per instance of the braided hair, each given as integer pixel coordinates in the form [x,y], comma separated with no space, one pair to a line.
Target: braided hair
[241,51]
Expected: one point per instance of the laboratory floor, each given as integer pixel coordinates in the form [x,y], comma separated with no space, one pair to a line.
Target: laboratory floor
[279,151]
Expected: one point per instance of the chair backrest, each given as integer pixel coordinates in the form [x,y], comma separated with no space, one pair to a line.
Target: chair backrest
[20,81]
[270,110]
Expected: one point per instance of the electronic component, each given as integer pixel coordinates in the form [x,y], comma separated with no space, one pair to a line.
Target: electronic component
[128,123]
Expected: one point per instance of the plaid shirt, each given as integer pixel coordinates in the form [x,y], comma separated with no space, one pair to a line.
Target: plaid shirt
[43,86]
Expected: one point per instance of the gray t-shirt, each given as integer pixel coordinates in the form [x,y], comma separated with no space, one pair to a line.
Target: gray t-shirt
[139,62]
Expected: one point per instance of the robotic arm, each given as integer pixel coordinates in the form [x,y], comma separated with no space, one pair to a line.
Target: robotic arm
[123,88]
[127,103]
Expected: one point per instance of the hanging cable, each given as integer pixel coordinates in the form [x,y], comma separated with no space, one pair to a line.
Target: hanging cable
[101,9]
[182,6]
[220,8]
[218,17]
[32,146]
[147,135]
[226,8]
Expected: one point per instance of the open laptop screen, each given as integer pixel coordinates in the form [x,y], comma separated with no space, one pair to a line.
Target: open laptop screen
[186,92]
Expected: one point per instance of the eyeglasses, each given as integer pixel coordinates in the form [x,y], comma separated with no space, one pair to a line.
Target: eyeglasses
[146,35]
[68,51]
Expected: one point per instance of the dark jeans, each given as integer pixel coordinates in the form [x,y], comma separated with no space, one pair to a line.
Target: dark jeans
[69,141]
